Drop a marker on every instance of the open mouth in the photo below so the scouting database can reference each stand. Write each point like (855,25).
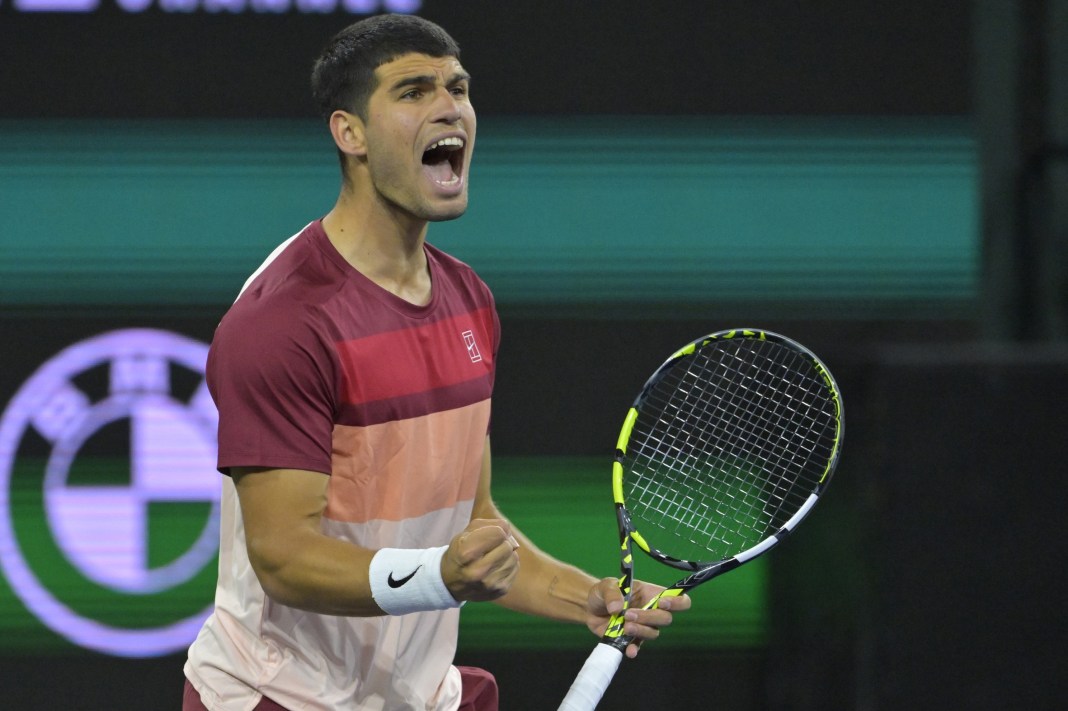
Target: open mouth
(444,160)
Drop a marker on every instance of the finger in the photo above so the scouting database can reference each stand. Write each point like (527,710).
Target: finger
(656,617)
(640,633)
(675,603)
(502,556)
(498,571)
(500,523)
(486,578)
(645,625)
(478,543)
(493,564)
(506,573)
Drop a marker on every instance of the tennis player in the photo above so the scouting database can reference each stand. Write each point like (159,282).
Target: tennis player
(353,378)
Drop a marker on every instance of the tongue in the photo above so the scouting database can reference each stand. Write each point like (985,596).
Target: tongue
(440,172)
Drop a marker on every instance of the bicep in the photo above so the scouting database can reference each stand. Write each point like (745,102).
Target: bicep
(279,507)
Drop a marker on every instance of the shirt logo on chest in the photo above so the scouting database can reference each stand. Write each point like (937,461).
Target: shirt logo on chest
(472,347)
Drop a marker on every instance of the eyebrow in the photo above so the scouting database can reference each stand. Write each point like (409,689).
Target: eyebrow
(424,79)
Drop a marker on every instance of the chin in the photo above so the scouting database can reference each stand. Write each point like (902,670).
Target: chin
(445,217)
(444,213)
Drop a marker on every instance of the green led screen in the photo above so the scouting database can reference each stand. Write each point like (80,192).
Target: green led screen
(563,504)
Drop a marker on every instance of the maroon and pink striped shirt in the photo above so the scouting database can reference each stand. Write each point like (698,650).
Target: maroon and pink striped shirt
(316,367)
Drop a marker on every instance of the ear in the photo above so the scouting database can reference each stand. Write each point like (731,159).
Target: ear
(349,134)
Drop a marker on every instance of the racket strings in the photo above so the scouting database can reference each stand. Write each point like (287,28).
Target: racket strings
(728,444)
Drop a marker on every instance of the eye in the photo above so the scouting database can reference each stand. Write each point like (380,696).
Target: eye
(459,90)
(411,94)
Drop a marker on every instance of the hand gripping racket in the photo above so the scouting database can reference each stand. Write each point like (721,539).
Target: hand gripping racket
(727,448)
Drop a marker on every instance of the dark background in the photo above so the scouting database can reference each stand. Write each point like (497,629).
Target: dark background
(527,57)
(930,577)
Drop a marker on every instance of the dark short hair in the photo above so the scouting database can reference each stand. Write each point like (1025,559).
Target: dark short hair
(344,74)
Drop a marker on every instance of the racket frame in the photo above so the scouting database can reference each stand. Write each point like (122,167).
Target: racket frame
(701,572)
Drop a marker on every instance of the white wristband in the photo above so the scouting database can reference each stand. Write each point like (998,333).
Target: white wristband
(407,580)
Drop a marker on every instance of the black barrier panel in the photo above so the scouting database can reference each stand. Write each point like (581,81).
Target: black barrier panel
(965,523)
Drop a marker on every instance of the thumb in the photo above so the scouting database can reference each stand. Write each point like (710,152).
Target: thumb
(610,596)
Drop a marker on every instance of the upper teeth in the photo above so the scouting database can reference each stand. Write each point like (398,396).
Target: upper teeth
(452,141)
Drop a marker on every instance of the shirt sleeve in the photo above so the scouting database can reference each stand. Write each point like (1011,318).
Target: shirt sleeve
(273,388)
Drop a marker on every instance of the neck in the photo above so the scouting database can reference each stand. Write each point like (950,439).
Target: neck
(387,249)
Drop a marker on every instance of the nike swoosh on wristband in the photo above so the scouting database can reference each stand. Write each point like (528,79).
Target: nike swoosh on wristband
(396,583)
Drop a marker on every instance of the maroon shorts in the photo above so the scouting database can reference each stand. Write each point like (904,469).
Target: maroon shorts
(479,690)
(479,694)
(191,701)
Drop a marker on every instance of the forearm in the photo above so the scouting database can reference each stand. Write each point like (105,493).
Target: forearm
(311,571)
(547,587)
(544,586)
(297,565)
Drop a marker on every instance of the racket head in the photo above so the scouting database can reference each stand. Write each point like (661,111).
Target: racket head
(727,448)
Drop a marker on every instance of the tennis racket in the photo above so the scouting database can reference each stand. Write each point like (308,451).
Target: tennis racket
(726,449)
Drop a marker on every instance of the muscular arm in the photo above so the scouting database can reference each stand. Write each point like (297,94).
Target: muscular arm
(299,566)
(296,564)
(550,588)
(545,586)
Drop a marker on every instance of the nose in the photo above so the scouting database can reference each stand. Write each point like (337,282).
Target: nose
(446,107)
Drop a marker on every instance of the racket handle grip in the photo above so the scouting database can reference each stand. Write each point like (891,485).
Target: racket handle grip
(592,680)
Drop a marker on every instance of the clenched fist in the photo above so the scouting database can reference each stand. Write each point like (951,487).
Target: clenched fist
(481,562)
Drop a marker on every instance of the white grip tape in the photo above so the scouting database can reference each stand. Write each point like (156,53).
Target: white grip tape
(592,680)
(405,580)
